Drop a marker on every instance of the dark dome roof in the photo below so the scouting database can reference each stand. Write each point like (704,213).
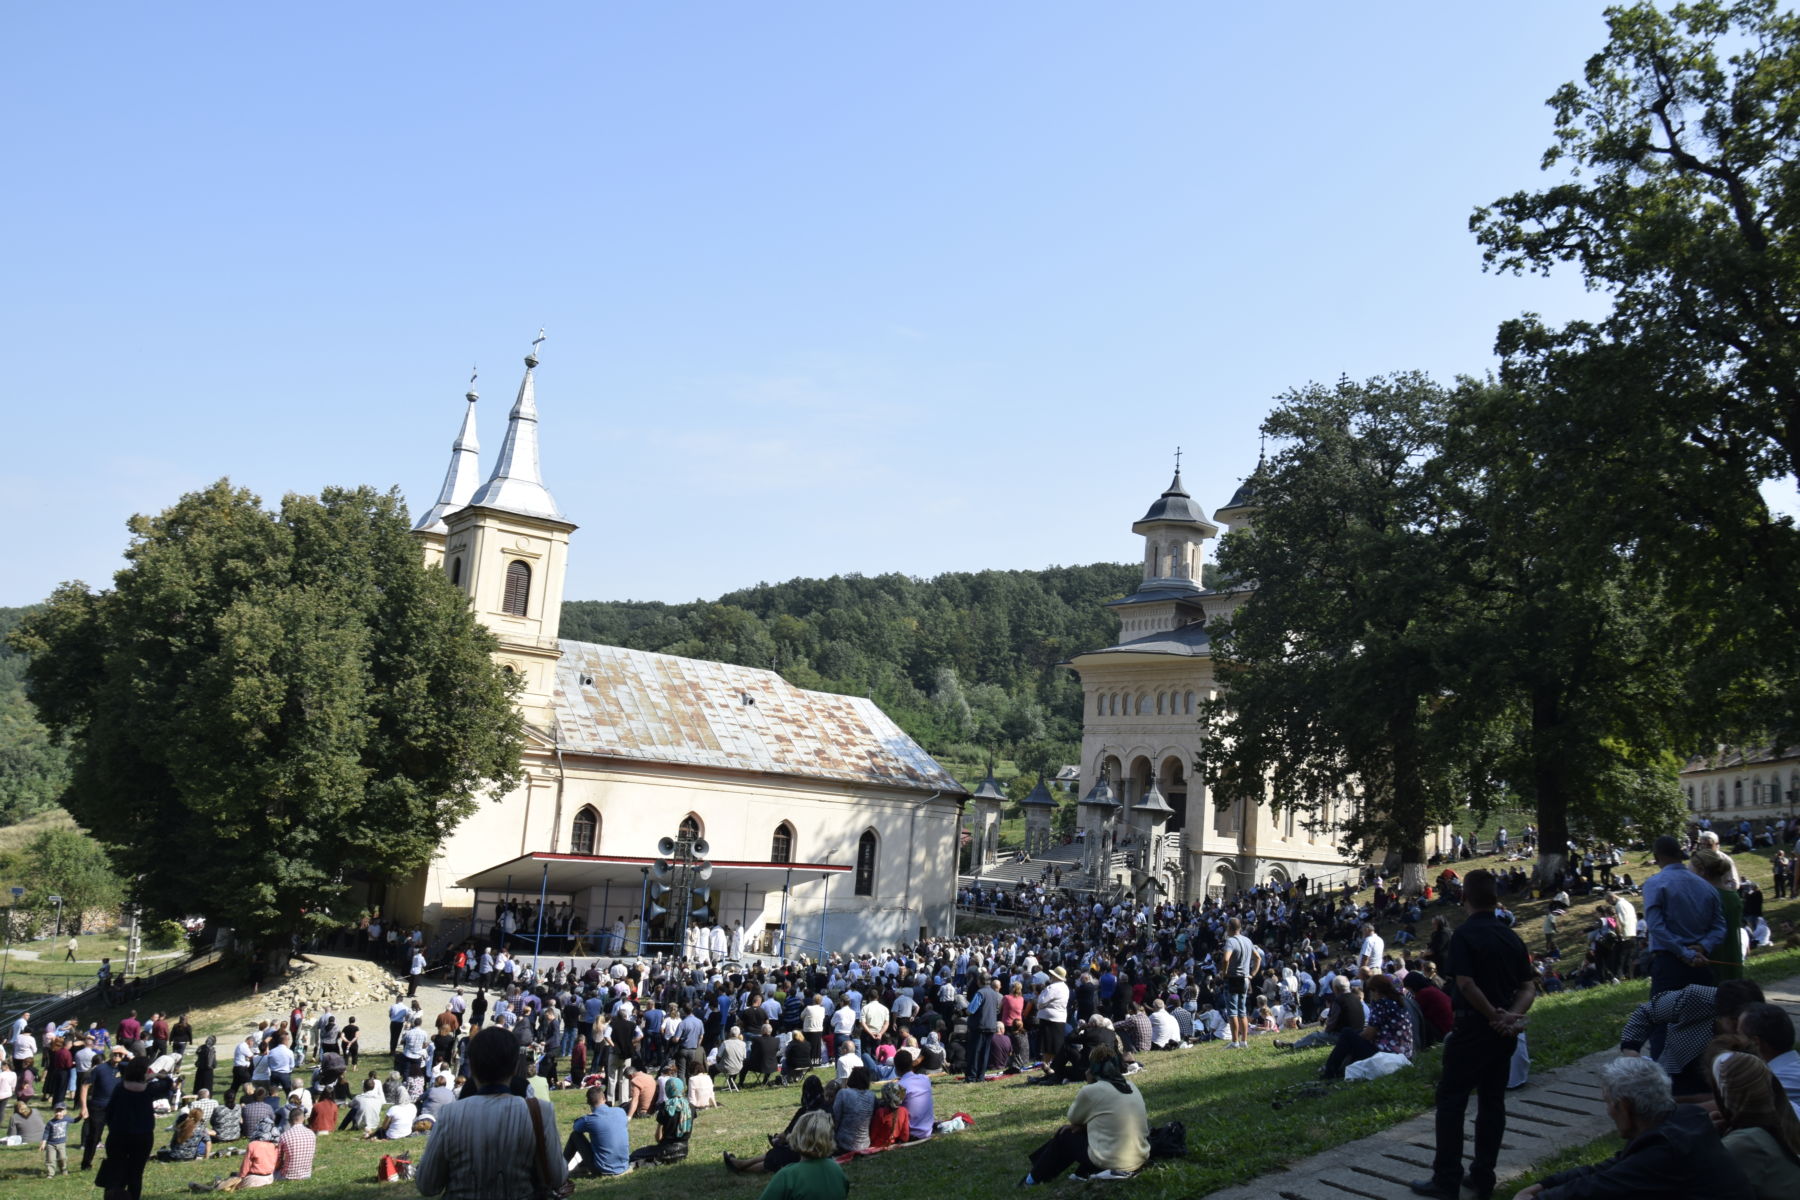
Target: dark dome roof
(1175,506)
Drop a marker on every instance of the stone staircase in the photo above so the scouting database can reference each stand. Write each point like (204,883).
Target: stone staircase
(1006,875)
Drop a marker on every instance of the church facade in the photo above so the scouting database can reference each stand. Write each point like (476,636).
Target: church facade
(1147,823)
(820,822)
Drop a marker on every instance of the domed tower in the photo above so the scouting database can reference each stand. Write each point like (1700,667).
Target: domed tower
(1175,532)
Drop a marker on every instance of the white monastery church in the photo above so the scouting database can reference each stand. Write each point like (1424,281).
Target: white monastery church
(1146,823)
(821,820)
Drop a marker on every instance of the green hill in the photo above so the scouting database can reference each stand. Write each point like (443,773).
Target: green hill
(32,771)
(965,662)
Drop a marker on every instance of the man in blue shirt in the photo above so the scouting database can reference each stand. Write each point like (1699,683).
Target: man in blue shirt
(602,1138)
(1685,921)
(689,1057)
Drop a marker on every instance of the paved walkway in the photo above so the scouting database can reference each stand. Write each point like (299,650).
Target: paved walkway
(1553,1112)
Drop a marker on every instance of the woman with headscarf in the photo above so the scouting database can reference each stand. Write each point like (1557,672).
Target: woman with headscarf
(889,1125)
(674,1124)
(1758,1125)
(1108,1132)
(206,1061)
(813,1099)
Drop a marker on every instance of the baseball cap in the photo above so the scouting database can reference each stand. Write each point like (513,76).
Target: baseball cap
(1668,847)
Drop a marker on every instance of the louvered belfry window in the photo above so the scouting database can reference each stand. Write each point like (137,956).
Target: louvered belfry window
(518,588)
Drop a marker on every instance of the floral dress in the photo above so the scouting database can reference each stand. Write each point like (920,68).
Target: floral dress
(1393,1028)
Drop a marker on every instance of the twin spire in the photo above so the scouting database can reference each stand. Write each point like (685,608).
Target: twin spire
(516,484)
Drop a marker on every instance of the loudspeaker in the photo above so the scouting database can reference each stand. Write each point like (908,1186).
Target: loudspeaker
(659,890)
(701,913)
(705,872)
(700,847)
(655,911)
(661,869)
(666,847)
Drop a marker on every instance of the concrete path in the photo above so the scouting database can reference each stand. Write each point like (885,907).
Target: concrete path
(1556,1110)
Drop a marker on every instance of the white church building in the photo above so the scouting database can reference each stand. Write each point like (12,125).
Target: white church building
(1147,823)
(822,821)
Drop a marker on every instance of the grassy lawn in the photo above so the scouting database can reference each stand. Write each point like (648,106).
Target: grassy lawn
(42,967)
(1240,1118)
(1225,1098)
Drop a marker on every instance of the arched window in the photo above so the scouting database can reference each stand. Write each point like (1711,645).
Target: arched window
(1737,793)
(781,847)
(585,834)
(1143,705)
(456,571)
(1187,704)
(1161,697)
(689,829)
(518,588)
(865,864)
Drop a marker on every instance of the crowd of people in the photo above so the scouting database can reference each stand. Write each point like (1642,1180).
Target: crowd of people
(1076,990)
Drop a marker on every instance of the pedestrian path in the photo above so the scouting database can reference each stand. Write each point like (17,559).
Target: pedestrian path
(1554,1111)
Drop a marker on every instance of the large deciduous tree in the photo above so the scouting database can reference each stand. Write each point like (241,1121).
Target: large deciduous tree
(1332,670)
(1682,146)
(266,706)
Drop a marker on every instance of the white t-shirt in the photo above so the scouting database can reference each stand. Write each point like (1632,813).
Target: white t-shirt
(400,1119)
(1628,918)
(1372,950)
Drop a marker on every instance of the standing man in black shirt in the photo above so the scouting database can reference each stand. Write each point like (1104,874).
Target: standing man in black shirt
(1494,986)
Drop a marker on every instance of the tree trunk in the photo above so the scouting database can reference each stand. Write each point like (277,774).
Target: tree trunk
(1551,788)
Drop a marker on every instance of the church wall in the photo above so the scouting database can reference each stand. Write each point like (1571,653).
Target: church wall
(637,806)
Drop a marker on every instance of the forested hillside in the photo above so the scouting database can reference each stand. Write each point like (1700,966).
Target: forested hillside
(965,662)
(32,771)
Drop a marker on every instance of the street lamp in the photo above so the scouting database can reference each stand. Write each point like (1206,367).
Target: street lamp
(57,900)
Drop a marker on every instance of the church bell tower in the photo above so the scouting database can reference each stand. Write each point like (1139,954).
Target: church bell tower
(508,547)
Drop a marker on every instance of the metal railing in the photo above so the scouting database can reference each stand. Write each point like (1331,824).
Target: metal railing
(70,1001)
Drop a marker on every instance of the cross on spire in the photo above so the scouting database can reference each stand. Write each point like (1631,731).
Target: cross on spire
(535,343)
(1178,460)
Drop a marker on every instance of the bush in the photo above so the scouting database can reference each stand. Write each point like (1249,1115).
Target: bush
(165,935)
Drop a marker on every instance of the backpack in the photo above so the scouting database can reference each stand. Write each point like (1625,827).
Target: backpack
(1169,1141)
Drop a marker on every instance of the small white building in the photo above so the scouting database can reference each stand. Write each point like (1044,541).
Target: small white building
(1736,783)
(820,817)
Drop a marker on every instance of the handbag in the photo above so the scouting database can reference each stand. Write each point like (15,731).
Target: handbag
(542,1165)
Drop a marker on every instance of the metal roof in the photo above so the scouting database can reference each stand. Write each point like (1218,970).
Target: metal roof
(460,479)
(1727,757)
(620,703)
(517,484)
(990,789)
(1040,797)
(1153,802)
(573,872)
(1187,641)
(1176,507)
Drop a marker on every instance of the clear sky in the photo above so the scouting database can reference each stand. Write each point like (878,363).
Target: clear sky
(828,287)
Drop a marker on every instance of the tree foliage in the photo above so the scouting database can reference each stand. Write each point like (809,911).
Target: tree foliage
(33,768)
(1682,146)
(67,863)
(1334,671)
(267,706)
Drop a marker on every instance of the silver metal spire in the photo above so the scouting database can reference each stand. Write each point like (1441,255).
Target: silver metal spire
(460,479)
(516,484)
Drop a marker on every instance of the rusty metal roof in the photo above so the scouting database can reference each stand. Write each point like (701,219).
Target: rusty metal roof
(621,703)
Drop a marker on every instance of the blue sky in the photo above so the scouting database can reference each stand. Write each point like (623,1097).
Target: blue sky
(828,288)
